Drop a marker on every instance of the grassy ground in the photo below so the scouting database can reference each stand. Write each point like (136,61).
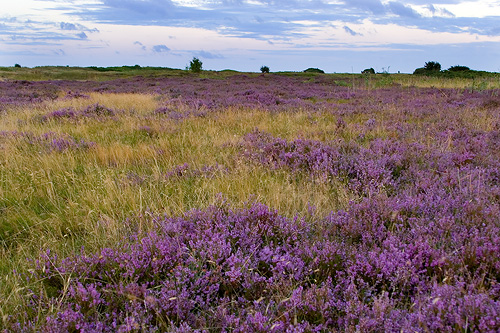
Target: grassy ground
(479,82)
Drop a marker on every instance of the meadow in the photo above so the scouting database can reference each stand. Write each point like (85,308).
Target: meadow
(236,202)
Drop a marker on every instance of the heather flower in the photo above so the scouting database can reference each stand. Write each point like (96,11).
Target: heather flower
(98,110)
(62,113)
(370,123)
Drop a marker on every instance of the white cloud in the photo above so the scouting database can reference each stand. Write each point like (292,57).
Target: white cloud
(160,48)
(478,9)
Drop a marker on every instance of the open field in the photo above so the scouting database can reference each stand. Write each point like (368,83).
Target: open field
(249,203)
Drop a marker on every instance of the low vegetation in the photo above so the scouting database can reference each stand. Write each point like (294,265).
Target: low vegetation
(226,201)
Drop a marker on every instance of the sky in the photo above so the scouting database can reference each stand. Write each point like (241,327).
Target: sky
(338,36)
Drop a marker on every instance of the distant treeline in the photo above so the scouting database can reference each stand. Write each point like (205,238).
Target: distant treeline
(433,68)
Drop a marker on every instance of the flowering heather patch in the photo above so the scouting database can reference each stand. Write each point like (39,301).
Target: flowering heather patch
(253,270)
(72,95)
(366,170)
(50,141)
(428,220)
(393,168)
(66,113)
(95,111)
(273,93)
(19,93)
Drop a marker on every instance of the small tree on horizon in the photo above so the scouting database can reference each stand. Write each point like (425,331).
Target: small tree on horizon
(264,69)
(195,65)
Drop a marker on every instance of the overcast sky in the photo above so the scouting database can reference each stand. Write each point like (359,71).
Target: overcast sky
(334,35)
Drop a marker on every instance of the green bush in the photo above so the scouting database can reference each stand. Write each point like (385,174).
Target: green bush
(264,69)
(368,71)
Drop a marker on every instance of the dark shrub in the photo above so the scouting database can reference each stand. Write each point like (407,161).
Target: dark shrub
(17,65)
(314,70)
(420,71)
(458,69)
(368,71)
(264,69)
(432,66)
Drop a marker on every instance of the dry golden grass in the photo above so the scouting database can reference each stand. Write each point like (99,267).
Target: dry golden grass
(139,104)
(64,196)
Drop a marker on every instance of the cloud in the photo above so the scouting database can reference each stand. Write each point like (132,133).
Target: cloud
(134,10)
(22,32)
(434,2)
(235,18)
(374,6)
(82,35)
(494,31)
(209,55)
(402,10)
(59,52)
(350,31)
(265,20)
(445,12)
(143,47)
(160,48)
(457,25)
(68,26)
(232,2)
(439,11)
(259,19)
(73,26)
